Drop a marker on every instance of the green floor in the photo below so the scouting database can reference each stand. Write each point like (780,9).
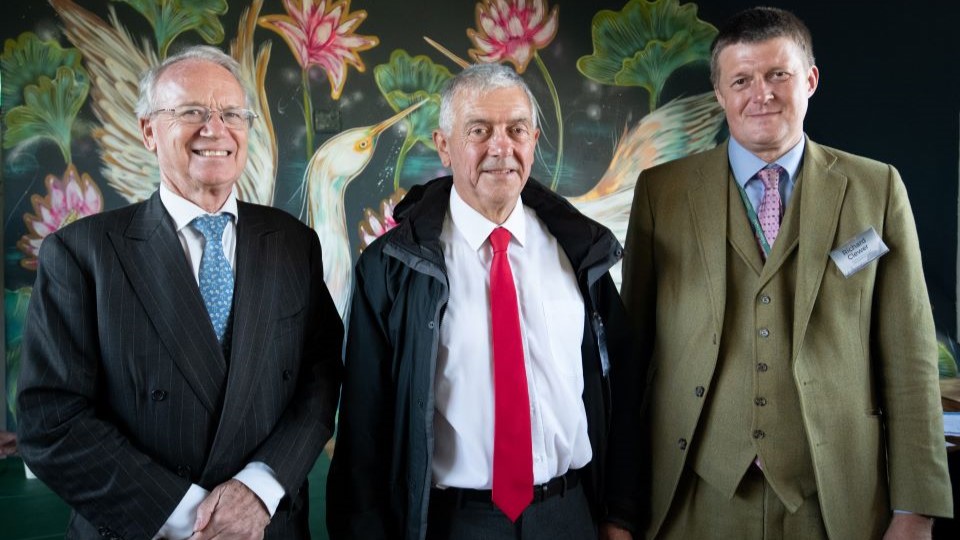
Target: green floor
(30,511)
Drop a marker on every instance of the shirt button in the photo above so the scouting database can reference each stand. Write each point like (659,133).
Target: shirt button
(682,444)
(764,299)
(158,395)
(764,332)
(761,367)
(699,391)
(759,434)
(760,401)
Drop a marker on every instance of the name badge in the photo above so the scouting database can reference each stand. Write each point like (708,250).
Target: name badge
(858,252)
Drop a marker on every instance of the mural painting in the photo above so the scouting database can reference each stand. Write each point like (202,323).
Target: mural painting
(70,86)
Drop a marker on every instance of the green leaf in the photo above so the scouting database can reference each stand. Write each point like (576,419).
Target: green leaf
(170,18)
(643,44)
(49,109)
(15,308)
(405,81)
(26,59)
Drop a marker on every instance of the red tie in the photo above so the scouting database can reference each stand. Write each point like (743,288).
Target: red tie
(512,447)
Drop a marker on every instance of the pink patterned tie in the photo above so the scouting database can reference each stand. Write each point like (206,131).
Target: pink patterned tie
(769,214)
(512,440)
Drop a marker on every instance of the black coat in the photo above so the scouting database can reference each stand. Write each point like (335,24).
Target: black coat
(125,397)
(380,479)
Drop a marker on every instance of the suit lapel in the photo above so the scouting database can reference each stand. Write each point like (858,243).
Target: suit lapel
(153,260)
(821,201)
(254,294)
(708,206)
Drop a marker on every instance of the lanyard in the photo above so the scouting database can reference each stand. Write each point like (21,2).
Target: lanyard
(754,221)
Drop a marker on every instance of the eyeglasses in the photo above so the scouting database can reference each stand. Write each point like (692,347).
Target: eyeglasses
(196,115)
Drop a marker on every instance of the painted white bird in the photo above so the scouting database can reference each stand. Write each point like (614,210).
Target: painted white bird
(333,166)
(115,64)
(680,128)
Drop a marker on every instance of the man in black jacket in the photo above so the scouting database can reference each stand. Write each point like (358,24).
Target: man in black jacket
(488,389)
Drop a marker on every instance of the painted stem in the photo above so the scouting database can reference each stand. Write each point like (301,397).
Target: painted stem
(407,145)
(307,111)
(556,107)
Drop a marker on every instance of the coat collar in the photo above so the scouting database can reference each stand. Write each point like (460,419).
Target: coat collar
(591,247)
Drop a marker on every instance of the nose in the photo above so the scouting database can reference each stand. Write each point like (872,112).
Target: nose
(214,125)
(762,91)
(500,144)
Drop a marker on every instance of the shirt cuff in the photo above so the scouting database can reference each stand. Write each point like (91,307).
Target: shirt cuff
(180,523)
(260,478)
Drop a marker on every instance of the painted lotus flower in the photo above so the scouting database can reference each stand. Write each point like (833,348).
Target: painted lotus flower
(67,200)
(374,224)
(321,33)
(512,30)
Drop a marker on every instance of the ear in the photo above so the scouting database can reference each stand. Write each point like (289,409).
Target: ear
(813,80)
(440,141)
(536,135)
(148,135)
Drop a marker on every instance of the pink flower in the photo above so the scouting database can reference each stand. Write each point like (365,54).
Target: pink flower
(374,225)
(67,200)
(512,30)
(323,37)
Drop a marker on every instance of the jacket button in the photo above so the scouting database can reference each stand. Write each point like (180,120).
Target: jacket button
(699,391)
(760,401)
(764,299)
(431,325)
(183,471)
(287,374)
(759,434)
(682,443)
(158,395)
(764,332)
(761,367)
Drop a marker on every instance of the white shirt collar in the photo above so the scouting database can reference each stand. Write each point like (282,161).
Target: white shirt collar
(475,227)
(183,211)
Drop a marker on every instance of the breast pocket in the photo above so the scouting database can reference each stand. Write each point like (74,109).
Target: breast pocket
(564,322)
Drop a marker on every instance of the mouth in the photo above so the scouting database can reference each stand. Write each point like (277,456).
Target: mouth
(212,153)
(500,172)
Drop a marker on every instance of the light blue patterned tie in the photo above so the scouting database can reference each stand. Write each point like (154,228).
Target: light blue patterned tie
(216,276)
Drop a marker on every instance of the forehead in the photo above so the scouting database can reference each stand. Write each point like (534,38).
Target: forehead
(200,81)
(774,52)
(499,104)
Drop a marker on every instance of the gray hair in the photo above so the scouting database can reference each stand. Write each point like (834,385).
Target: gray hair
(481,78)
(206,53)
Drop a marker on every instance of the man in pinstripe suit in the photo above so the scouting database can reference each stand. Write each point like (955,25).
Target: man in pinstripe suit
(149,420)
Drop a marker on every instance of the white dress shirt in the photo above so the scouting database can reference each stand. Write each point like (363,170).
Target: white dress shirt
(551,322)
(257,476)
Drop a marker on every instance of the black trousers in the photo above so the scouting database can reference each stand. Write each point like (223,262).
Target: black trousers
(563,516)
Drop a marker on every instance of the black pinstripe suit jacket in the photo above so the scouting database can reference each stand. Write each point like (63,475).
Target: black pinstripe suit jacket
(125,397)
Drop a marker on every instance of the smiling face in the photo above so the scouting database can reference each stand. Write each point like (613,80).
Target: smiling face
(764,88)
(201,163)
(489,148)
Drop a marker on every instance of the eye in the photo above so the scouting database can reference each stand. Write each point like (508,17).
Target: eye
(780,75)
(739,82)
(192,114)
(477,133)
(363,144)
(520,132)
(231,115)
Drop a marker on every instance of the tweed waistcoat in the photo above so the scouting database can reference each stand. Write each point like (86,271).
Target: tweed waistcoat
(753,408)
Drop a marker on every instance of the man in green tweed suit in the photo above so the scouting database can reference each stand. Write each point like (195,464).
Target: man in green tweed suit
(777,285)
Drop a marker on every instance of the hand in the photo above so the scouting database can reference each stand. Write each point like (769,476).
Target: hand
(609,531)
(909,527)
(231,511)
(8,444)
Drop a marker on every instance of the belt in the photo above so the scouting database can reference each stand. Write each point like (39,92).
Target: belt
(556,486)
